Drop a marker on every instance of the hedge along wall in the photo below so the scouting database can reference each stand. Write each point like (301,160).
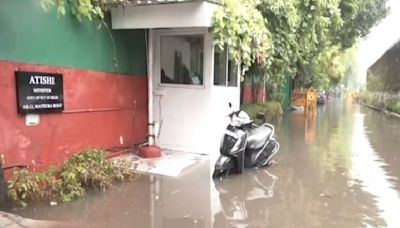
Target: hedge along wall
(102,104)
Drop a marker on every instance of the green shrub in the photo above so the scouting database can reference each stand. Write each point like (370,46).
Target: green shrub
(390,103)
(396,108)
(272,110)
(87,169)
(33,186)
(365,97)
(376,101)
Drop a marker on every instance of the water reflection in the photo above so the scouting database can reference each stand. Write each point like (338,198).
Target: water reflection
(148,202)
(243,199)
(383,133)
(314,175)
(368,167)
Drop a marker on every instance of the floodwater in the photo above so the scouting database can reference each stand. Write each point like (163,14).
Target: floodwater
(339,169)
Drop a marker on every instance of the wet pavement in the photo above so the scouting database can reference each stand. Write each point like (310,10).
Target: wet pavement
(340,169)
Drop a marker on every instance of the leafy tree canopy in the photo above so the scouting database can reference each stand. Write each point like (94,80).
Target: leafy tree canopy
(308,37)
(82,9)
(243,29)
(302,38)
(359,16)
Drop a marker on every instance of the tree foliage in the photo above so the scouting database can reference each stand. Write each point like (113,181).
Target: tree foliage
(309,37)
(82,9)
(301,38)
(359,16)
(243,29)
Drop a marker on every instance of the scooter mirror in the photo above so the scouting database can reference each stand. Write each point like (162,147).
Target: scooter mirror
(230,105)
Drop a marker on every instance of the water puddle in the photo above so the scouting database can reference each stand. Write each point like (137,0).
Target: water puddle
(340,169)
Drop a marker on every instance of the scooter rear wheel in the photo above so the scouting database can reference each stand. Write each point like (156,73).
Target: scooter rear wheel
(269,160)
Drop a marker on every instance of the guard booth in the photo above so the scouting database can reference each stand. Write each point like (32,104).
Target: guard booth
(311,102)
(190,81)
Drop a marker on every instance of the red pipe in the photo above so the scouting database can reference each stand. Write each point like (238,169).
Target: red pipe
(96,110)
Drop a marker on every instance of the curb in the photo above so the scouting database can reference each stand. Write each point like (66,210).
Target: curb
(10,220)
(388,113)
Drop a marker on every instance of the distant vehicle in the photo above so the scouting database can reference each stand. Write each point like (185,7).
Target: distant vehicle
(321,98)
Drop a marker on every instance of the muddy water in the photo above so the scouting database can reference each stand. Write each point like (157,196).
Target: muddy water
(340,169)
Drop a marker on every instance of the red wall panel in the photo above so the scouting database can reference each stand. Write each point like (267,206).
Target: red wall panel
(252,94)
(99,108)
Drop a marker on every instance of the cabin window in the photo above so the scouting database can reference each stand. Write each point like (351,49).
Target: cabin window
(182,59)
(224,69)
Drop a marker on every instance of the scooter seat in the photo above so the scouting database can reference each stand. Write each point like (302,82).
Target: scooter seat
(257,137)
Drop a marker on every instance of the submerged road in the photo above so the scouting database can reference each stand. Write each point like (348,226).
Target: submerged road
(339,169)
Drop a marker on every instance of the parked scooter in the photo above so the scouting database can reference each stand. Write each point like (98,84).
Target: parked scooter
(245,145)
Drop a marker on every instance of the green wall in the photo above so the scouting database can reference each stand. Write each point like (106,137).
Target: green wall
(29,34)
(286,93)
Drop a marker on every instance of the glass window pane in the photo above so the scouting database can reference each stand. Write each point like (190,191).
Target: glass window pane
(220,67)
(232,74)
(182,59)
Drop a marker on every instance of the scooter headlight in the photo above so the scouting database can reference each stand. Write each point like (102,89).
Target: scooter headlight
(232,142)
(228,143)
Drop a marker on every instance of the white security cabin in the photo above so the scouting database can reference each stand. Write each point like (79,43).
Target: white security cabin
(190,81)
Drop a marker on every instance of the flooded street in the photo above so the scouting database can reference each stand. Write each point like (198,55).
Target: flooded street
(340,169)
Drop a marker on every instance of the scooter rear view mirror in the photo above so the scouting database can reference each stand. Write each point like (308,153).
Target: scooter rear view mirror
(230,105)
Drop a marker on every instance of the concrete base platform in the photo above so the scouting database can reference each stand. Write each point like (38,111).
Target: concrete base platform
(171,163)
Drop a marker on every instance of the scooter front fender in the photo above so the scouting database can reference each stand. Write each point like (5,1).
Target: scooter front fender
(223,166)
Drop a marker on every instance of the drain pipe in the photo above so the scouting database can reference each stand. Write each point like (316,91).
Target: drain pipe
(151,150)
(150,58)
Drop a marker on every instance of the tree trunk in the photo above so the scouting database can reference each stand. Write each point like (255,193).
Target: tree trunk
(239,76)
(264,89)
(253,90)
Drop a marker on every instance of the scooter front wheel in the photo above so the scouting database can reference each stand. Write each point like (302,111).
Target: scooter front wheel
(223,166)
(220,173)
